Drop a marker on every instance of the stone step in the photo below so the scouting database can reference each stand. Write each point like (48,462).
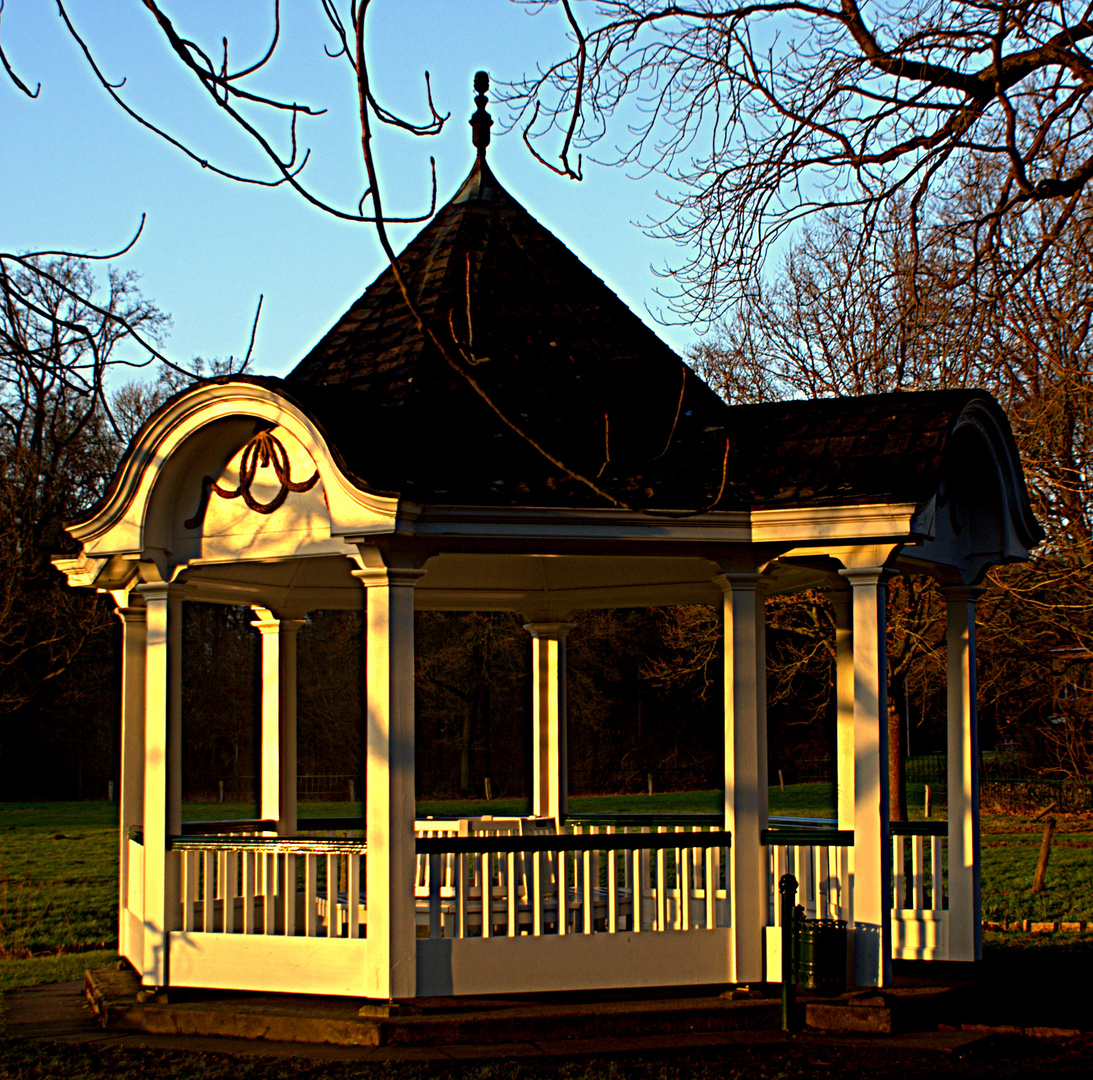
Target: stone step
(890,1011)
(114,994)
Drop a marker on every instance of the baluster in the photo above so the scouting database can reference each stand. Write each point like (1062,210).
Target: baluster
(208,921)
(662,889)
(485,875)
(898,899)
(561,879)
(613,888)
(353,893)
(289,895)
(333,916)
(435,880)
(248,892)
(844,881)
(269,899)
(918,879)
(711,887)
(936,903)
(683,874)
(512,891)
(640,861)
(461,872)
(189,887)
(537,893)
(779,854)
(229,877)
(586,897)
(311,895)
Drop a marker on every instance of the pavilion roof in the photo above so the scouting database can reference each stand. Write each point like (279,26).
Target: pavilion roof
(557,355)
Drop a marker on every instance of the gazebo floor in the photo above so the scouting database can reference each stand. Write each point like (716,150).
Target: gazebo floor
(538,1023)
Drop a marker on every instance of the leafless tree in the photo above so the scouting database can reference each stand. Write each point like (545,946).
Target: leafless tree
(273,126)
(765,114)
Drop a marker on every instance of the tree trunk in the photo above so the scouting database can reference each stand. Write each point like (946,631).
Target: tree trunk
(897,756)
(466,747)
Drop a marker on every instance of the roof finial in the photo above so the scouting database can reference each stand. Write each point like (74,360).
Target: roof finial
(481,122)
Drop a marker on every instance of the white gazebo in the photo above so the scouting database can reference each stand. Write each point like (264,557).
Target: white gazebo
(381,477)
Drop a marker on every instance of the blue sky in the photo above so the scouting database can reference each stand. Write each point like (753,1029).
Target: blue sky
(78,173)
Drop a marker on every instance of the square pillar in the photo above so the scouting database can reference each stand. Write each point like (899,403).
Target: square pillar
(162,810)
(550,776)
(131,793)
(746,796)
(389,773)
(965,926)
(277,798)
(871,882)
(844,707)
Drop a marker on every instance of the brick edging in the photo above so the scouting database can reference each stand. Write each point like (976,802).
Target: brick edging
(1030,926)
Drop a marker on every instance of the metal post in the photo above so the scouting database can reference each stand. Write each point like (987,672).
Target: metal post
(787,887)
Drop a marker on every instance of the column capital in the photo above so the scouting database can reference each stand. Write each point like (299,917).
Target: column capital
(734,582)
(549,629)
(962,594)
(377,577)
(269,623)
(864,576)
(161,590)
(129,614)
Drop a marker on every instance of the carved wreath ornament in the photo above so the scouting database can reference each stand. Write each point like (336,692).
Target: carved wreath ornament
(262,451)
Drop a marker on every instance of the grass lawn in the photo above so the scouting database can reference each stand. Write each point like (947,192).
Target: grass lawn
(58,893)
(58,866)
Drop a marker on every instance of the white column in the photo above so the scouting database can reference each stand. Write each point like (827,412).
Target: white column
(277,798)
(131,793)
(871,885)
(550,775)
(389,807)
(162,810)
(745,770)
(965,926)
(844,707)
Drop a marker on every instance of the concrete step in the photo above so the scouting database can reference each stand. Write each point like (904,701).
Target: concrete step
(114,994)
(883,1012)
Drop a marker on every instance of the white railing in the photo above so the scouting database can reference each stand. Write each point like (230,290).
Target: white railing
(259,885)
(531,880)
(918,866)
(600,880)
(819,859)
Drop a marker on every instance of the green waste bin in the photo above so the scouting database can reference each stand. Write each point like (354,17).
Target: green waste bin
(819,961)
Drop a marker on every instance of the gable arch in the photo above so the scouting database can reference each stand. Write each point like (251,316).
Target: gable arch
(980,514)
(163,503)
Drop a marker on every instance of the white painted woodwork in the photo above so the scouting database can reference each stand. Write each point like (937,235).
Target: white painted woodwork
(299,965)
(157,701)
(159,482)
(131,793)
(299,527)
(745,771)
(920,935)
(391,966)
(500,965)
(844,707)
(231,917)
(549,796)
(277,793)
(871,888)
(965,935)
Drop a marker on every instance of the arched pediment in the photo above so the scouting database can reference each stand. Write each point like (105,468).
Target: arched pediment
(229,471)
(979,515)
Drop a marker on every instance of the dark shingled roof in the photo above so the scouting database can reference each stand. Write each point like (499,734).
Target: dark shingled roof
(552,347)
(563,358)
